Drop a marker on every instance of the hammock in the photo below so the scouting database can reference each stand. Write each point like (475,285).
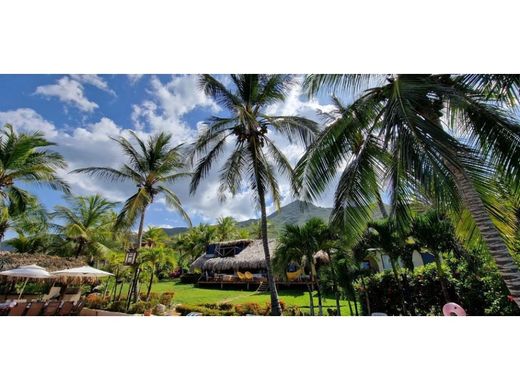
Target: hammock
(294,275)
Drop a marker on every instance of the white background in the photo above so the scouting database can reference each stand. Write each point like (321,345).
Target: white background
(270,36)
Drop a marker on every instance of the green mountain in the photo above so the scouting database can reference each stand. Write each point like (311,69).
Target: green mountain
(297,212)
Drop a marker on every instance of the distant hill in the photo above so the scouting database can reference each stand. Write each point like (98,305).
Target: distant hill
(296,213)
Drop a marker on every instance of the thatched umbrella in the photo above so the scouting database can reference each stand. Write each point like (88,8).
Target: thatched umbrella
(321,257)
(80,274)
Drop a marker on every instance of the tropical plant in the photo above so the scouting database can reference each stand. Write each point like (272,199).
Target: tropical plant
(226,229)
(86,223)
(193,242)
(441,138)
(434,231)
(155,237)
(383,237)
(155,257)
(151,165)
(25,158)
(255,153)
(299,244)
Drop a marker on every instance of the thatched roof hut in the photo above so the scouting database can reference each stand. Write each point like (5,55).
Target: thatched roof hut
(251,257)
(10,260)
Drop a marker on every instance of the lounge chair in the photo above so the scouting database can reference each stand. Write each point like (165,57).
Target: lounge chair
(249,276)
(66,308)
(241,276)
(35,309)
(51,308)
(18,309)
(76,310)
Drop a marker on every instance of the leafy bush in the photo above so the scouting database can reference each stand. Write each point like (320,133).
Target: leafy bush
(185,309)
(473,282)
(96,301)
(166,299)
(140,307)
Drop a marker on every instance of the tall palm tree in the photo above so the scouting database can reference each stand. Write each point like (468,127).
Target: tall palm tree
(25,158)
(151,165)
(86,223)
(439,138)
(255,153)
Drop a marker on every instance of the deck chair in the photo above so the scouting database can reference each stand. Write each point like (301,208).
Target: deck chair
(249,276)
(18,309)
(35,309)
(51,308)
(76,310)
(241,276)
(66,308)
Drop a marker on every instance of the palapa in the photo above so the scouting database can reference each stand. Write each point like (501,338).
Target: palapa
(250,258)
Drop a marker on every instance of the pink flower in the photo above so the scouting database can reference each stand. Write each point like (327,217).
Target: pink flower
(510,298)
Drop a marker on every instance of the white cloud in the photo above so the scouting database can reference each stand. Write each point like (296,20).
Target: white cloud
(94,80)
(68,91)
(27,120)
(168,104)
(134,78)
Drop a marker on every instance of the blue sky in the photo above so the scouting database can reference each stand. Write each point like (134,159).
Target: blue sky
(80,112)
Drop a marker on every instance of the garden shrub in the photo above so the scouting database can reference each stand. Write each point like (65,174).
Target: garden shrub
(166,299)
(205,311)
(473,283)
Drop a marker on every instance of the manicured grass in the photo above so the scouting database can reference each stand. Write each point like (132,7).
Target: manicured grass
(189,294)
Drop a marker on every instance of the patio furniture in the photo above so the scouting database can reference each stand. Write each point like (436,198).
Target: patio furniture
(54,292)
(18,309)
(241,276)
(51,308)
(76,309)
(249,276)
(35,308)
(66,308)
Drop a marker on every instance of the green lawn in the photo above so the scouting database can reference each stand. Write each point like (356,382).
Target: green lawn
(189,294)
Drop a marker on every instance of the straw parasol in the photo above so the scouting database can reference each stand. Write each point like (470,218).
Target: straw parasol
(321,257)
(252,258)
(25,273)
(10,260)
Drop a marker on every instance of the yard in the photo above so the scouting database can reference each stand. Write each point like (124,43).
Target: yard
(191,295)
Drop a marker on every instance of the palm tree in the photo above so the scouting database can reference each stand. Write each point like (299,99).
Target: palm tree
(384,237)
(155,257)
(299,244)
(439,138)
(226,229)
(194,242)
(25,158)
(86,223)
(151,165)
(254,154)
(435,231)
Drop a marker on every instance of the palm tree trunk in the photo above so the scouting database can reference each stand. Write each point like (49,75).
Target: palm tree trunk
(490,235)
(335,288)
(150,285)
(318,289)
(134,293)
(311,300)
(366,296)
(276,309)
(79,249)
(399,285)
(442,277)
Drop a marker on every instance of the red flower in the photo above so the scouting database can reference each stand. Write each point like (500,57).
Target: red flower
(510,298)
